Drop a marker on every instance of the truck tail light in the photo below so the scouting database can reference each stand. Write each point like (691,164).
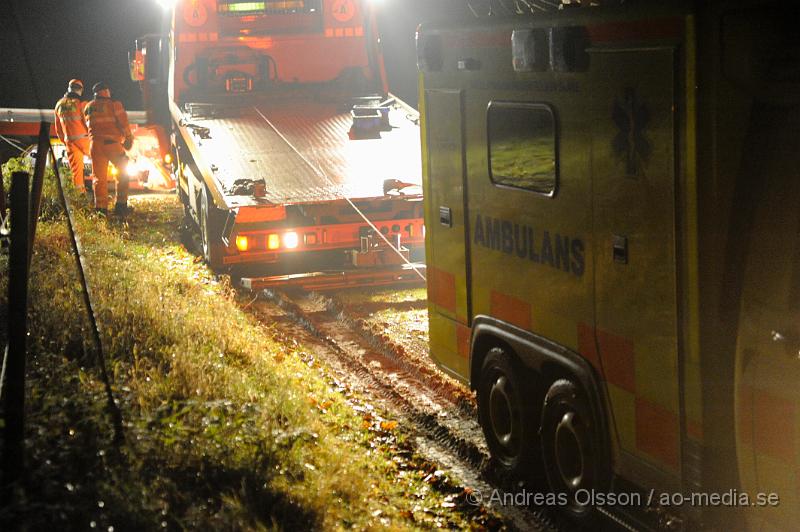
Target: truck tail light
(273,241)
(242,243)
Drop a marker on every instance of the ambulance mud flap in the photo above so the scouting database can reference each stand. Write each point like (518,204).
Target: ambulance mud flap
(227,229)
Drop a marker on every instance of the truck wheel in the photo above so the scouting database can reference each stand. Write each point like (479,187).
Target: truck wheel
(211,220)
(507,415)
(571,460)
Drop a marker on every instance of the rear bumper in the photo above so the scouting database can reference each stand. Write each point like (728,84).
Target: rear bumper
(260,264)
(323,247)
(407,274)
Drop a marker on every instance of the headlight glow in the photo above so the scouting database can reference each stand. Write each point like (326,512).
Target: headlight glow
(290,240)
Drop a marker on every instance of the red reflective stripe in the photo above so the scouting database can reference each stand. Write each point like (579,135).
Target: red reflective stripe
(511,309)
(657,432)
(463,336)
(587,346)
(774,420)
(442,288)
(619,362)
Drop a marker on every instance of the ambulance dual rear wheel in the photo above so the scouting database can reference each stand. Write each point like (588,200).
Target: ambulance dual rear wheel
(508,414)
(569,448)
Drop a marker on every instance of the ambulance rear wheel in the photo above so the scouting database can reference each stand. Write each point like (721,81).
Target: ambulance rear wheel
(569,449)
(507,414)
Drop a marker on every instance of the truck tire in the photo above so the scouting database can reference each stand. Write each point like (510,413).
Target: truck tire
(210,224)
(508,415)
(569,448)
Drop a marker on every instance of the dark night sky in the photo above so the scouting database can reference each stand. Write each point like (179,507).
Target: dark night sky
(89,39)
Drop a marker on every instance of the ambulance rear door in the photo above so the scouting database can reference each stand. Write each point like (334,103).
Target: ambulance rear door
(446,230)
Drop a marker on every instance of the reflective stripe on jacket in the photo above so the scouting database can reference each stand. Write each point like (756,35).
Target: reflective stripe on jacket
(107,119)
(69,121)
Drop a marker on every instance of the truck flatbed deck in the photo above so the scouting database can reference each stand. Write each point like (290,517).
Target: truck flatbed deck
(304,153)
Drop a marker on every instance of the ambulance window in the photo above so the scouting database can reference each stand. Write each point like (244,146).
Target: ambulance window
(522,146)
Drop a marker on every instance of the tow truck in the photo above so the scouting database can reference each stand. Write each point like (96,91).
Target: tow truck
(293,160)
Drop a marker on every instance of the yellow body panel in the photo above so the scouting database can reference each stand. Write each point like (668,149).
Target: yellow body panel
(675,148)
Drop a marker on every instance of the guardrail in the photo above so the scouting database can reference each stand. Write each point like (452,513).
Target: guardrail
(25,122)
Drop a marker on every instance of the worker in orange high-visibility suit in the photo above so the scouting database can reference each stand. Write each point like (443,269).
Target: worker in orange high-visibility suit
(111,136)
(71,130)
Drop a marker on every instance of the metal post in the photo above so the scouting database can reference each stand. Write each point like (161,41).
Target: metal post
(42,151)
(2,199)
(14,389)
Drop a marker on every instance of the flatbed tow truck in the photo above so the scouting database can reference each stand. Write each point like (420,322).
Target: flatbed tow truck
(293,160)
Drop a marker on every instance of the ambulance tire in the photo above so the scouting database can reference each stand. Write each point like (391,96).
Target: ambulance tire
(508,415)
(210,223)
(569,454)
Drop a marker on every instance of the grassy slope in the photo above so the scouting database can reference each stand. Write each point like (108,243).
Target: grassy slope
(227,425)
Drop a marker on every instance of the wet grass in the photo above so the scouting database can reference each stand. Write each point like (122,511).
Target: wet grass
(227,425)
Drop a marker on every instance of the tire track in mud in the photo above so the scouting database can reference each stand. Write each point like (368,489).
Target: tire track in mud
(427,375)
(440,417)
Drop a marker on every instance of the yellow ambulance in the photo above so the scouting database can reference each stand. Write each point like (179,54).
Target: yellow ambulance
(613,242)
